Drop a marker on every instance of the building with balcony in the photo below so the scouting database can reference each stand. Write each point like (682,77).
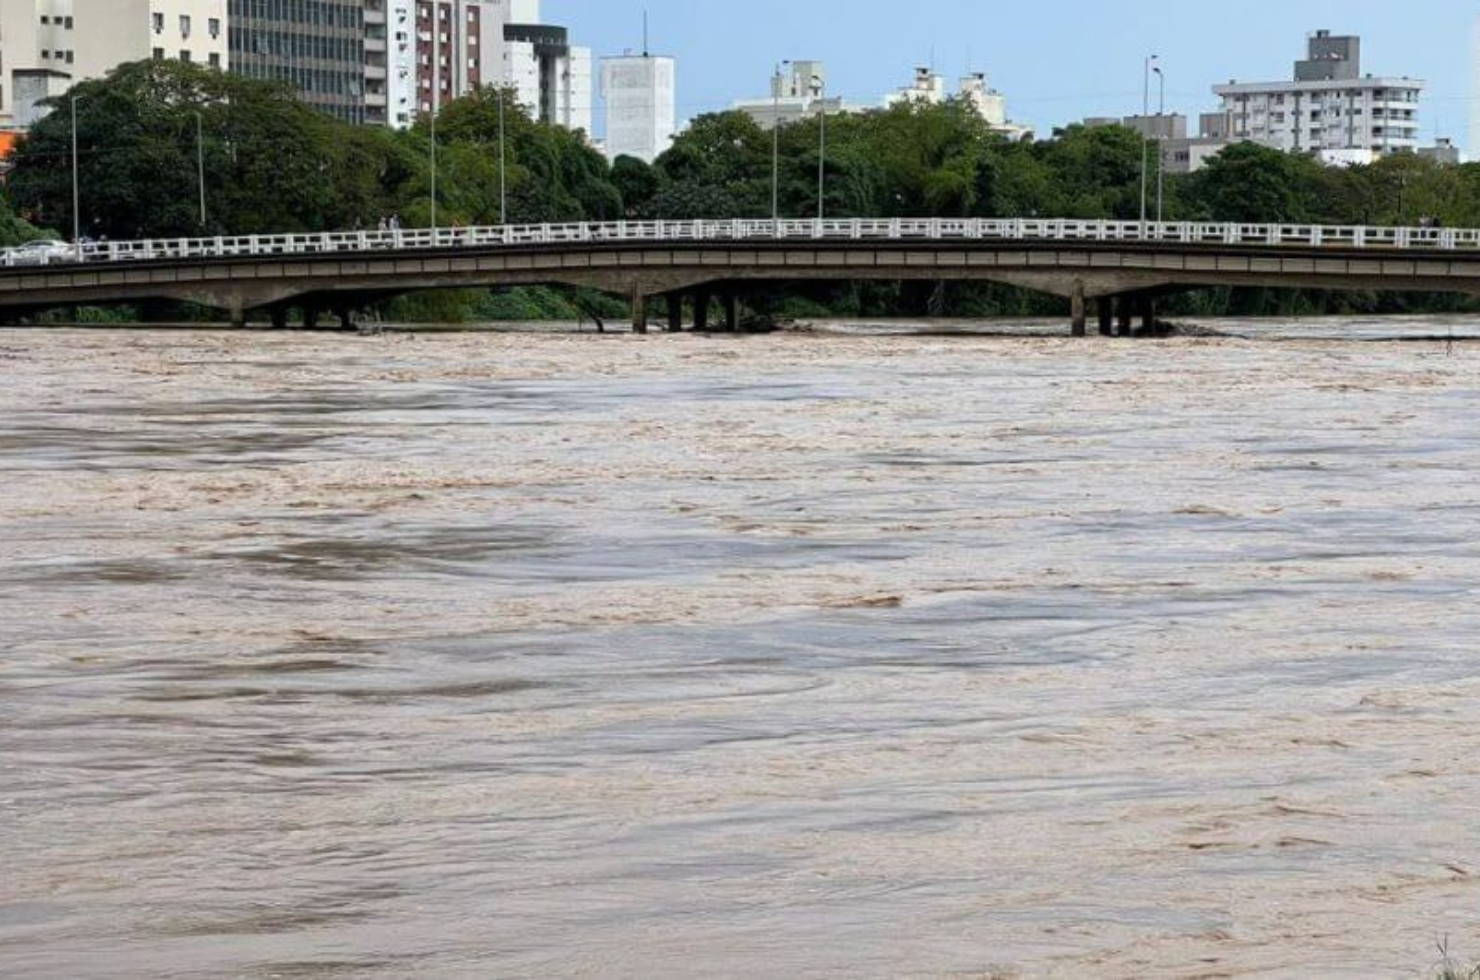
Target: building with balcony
(1330,109)
(390,63)
(46,46)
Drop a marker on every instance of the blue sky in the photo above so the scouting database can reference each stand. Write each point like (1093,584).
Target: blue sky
(1056,60)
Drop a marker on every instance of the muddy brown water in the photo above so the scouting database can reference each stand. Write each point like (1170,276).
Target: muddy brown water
(854,655)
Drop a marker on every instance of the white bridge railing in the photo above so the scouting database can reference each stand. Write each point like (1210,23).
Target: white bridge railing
(659,232)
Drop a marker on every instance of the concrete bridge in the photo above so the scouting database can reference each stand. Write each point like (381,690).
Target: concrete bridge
(1120,267)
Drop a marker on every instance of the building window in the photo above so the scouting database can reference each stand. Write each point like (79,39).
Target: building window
(215,60)
(184,26)
(159,23)
(184,56)
(159,54)
(215,27)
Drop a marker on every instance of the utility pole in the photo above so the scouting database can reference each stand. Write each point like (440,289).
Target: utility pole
(200,167)
(76,185)
(1145,143)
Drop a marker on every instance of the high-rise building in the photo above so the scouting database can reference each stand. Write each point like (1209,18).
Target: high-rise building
(1330,109)
(317,48)
(390,63)
(641,105)
(48,45)
(481,43)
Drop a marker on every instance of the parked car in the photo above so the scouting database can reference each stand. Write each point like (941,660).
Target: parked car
(45,251)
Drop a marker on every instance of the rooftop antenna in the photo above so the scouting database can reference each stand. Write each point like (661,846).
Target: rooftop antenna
(645,33)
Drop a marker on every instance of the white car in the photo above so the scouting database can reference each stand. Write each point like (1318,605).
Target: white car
(43,251)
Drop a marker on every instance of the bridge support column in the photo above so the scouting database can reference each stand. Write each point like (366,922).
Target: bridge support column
(732,312)
(701,310)
(675,312)
(238,314)
(1148,316)
(1123,314)
(639,310)
(1077,307)
(1105,306)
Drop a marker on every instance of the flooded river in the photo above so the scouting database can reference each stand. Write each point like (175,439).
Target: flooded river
(510,655)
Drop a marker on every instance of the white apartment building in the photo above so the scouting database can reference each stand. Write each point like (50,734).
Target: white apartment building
(390,63)
(929,88)
(1330,109)
(641,105)
(50,44)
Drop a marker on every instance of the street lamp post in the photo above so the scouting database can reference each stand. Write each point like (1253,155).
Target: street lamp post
(76,184)
(820,87)
(200,166)
(1161,148)
(776,81)
(1145,143)
(503,166)
(436,102)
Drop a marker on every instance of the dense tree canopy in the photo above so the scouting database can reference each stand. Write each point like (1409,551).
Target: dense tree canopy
(272,164)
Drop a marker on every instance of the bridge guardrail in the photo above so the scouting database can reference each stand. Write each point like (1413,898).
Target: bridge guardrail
(850,229)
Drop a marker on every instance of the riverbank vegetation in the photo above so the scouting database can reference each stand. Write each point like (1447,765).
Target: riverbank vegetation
(271,164)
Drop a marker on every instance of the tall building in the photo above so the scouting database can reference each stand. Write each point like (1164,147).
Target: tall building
(929,88)
(317,48)
(390,63)
(48,45)
(1330,109)
(481,43)
(641,105)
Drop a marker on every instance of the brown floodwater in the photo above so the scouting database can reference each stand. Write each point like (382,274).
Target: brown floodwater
(860,655)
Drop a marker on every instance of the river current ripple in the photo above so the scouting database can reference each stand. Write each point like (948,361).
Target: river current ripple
(814,655)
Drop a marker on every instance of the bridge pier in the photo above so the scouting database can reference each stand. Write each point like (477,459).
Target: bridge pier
(701,310)
(675,312)
(1106,308)
(1077,311)
(1148,316)
(237,313)
(732,312)
(1123,314)
(639,310)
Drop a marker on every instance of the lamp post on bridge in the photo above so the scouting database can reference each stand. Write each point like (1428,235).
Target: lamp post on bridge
(1161,149)
(776,82)
(1145,143)
(76,183)
(503,166)
(819,86)
(200,167)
